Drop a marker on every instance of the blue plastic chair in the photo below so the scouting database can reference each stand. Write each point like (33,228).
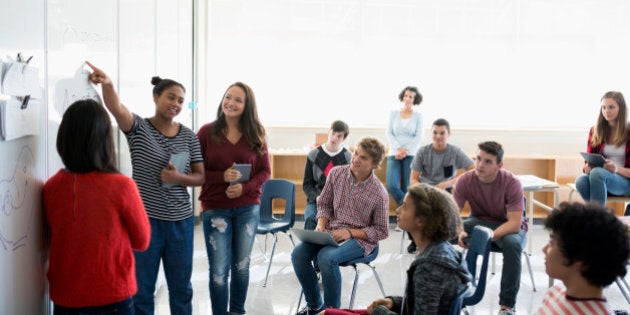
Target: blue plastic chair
(456,305)
(480,243)
(367,260)
(276,188)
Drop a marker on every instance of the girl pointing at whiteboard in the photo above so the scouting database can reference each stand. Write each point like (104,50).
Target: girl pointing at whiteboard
(154,143)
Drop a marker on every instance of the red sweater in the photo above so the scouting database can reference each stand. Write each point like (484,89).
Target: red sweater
(95,219)
(219,157)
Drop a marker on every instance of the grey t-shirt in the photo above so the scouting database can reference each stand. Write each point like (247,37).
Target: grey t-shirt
(436,167)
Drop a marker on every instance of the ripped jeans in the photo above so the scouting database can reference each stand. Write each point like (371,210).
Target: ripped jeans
(229,236)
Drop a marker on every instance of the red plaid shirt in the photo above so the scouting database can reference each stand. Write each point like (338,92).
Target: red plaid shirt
(350,205)
(590,148)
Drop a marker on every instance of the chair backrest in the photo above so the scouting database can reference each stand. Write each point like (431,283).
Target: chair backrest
(456,305)
(480,242)
(278,188)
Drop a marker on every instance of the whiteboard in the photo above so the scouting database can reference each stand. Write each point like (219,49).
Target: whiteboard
(22,174)
(61,35)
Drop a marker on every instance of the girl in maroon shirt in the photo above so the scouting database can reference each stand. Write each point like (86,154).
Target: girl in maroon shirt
(230,202)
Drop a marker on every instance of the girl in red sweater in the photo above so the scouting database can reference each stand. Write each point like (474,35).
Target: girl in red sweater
(95,216)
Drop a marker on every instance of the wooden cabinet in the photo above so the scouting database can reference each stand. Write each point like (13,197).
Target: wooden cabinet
(290,166)
(559,169)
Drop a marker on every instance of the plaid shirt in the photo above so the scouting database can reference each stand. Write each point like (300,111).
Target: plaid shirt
(350,205)
(590,148)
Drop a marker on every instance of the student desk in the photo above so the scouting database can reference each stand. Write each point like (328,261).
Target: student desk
(532,184)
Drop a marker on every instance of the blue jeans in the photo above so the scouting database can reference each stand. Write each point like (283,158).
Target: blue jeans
(124,307)
(398,173)
(328,259)
(599,183)
(172,243)
(511,246)
(229,235)
(310,213)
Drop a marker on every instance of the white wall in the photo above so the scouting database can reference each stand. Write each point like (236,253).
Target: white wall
(507,65)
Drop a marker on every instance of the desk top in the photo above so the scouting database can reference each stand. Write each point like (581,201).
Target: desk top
(533,182)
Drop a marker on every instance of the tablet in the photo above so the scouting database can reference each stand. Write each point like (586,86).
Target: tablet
(594,159)
(245,170)
(179,160)
(315,237)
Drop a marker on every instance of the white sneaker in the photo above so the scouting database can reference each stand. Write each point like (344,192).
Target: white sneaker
(506,312)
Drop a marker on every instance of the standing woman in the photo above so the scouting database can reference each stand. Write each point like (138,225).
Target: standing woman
(95,217)
(609,137)
(231,211)
(404,133)
(153,142)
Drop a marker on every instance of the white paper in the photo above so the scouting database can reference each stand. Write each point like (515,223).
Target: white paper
(17,122)
(21,79)
(68,91)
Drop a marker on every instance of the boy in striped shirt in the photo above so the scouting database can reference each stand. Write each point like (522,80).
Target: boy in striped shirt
(588,249)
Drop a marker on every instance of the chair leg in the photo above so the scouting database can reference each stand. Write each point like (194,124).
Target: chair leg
(529,267)
(622,289)
(262,252)
(354,286)
(291,238)
(300,300)
(493,263)
(273,250)
(378,279)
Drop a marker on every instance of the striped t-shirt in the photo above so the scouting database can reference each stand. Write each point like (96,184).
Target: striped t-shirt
(556,302)
(150,153)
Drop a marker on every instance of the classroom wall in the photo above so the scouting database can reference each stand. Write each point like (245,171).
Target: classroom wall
(505,65)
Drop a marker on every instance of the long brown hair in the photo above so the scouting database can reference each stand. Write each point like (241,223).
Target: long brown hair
(602,130)
(249,124)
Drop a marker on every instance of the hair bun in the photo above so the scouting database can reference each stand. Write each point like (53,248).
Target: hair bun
(155,80)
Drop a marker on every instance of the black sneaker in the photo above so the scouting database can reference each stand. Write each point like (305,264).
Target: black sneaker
(307,311)
(411,248)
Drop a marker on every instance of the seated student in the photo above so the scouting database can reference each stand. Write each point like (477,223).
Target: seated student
(319,162)
(437,163)
(438,273)
(610,136)
(353,206)
(495,197)
(588,248)
(96,218)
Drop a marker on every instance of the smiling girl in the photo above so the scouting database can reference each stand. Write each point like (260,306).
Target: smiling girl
(230,204)
(152,142)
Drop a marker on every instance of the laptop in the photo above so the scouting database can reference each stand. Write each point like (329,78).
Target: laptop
(315,237)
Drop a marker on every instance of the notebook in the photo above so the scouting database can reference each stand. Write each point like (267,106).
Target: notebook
(315,237)
(597,160)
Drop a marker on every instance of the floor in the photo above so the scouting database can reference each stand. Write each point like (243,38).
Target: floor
(283,290)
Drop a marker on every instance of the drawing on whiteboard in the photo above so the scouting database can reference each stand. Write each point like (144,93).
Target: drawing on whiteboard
(68,91)
(14,190)
(72,34)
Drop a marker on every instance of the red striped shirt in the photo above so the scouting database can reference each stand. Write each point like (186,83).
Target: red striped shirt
(556,302)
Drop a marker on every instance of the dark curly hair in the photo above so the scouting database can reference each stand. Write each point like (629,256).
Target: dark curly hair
(438,211)
(589,233)
(416,100)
